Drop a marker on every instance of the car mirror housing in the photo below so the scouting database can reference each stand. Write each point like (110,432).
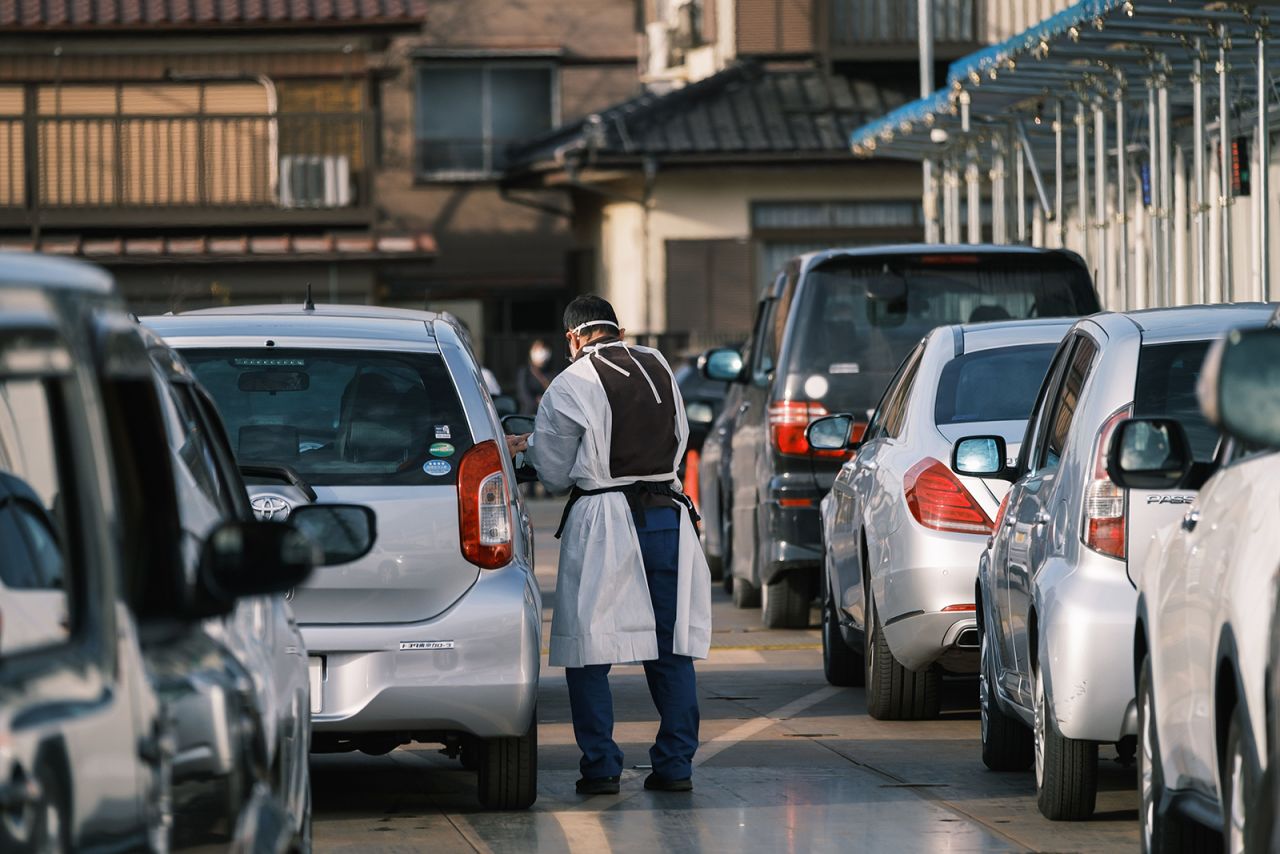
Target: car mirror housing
(830,433)
(981,456)
(255,558)
(343,532)
(1240,386)
(518,425)
(1149,453)
(723,364)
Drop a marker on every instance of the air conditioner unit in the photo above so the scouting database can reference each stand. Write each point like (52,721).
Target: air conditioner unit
(315,181)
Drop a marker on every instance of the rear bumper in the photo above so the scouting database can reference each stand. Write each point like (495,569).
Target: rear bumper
(485,685)
(792,534)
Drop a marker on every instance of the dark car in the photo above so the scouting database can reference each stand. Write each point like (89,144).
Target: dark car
(830,332)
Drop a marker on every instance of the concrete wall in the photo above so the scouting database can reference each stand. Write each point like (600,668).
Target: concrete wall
(714,204)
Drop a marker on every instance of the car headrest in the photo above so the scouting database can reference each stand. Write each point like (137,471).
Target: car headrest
(268,443)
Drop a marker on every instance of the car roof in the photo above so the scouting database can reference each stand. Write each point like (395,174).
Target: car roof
(973,337)
(914,249)
(25,269)
(296,321)
(1185,323)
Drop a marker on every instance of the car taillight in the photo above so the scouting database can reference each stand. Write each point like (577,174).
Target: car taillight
(484,507)
(938,500)
(788,420)
(1004,508)
(1104,528)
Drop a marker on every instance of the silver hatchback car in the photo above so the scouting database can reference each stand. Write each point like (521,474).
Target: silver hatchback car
(435,636)
(1056,598)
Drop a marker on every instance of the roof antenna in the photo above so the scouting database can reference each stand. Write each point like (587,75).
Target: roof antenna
(308,305)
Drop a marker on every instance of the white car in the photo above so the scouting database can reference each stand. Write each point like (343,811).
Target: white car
(1205,602)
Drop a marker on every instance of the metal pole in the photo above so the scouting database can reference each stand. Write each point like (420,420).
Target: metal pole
(1033,167)
(924,14)
(1122,204)
(1224,144)
(1201,185)
(1100,197)
(973,199)
(999,203)
(951,199)
(1020,188)
(1058,164)
(1166,196)
(1082,183)
(1264,167)
(1153,182)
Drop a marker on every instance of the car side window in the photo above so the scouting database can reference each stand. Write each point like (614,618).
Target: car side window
(1058,424)
(875,427)
(191,444)
(895,414)
(35,483)
(765,356)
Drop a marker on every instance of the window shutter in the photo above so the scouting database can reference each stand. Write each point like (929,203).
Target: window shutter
(709,287)
(775,26)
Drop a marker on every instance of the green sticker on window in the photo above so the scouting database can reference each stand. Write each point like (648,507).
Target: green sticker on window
(441,449)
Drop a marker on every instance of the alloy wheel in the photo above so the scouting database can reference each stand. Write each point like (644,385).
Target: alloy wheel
(984,688)
(1236,815)
(1146,774)
(1040,728)
(51,843)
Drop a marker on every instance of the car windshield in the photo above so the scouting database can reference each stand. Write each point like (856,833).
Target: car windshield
(854,344)
(339,417)
(1166,388)
(992,385)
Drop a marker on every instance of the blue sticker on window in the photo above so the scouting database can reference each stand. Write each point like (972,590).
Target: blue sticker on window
(437,468)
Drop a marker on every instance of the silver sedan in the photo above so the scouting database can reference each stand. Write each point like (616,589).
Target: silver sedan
(903,531)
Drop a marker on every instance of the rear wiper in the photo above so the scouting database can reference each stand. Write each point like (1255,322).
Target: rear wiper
(285,473)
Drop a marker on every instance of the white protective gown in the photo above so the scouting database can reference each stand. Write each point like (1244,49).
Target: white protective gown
(602,610)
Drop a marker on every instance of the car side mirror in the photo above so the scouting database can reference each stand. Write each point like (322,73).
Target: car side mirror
(255,558)
(342,532)
(518,425)
(982,456)
(831,433)
(723,364)
(505,404)
(1240,386)
(1149,453)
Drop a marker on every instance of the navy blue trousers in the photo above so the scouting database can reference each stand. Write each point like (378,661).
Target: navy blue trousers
(671,679)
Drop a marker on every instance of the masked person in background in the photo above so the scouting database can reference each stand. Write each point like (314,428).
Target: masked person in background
(633,583)
(534,378)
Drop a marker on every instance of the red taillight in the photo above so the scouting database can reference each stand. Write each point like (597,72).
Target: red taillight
(1104,528)
(965,607)
(1004,507)
(938,500)
(484,507)
(788,419)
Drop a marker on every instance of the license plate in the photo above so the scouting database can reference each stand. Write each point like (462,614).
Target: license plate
(315,668)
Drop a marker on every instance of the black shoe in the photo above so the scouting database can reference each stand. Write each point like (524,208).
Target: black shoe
(597,786)
(662,784)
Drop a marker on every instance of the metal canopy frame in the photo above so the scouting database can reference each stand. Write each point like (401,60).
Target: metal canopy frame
(1133,74)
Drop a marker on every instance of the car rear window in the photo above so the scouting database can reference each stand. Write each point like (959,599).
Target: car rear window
(1166,388)
(339,417)
(991,385)
(855,344)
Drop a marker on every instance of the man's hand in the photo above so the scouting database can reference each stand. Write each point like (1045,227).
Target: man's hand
(517,444)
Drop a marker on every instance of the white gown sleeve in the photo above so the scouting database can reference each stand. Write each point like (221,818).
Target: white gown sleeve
(557,436)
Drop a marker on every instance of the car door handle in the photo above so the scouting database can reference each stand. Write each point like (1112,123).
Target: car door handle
(1190,521)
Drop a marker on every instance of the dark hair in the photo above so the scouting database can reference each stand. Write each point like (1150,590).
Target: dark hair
(587,308)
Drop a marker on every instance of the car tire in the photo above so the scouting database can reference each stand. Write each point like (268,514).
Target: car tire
(1166,832)
(715,564)
(1066,768)
(507,778)
(785,601)
(302,844)
(1007,744)
(895,693)
(1240,781)
(841,664)
(745,594)
(53,816)
(727,583)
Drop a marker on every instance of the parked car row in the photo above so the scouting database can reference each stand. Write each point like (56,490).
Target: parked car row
(158,689)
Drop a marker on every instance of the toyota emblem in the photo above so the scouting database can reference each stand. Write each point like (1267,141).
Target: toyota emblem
(270,508)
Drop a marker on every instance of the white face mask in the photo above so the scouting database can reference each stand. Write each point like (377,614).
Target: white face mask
(539,356)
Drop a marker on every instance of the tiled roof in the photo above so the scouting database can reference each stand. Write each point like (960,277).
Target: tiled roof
(747,109)
(281,247)
(63,15)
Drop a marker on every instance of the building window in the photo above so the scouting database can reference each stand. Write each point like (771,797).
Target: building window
(469,116)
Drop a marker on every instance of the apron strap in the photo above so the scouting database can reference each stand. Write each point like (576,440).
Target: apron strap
(634,492)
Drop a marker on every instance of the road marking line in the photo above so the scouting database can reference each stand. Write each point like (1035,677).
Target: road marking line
(742,732)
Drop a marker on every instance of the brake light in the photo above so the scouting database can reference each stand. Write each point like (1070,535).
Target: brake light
(1004,507)
(788,420)
(1104,528)
(484,507)
(938,500)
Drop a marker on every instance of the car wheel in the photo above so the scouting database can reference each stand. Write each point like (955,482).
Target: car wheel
(727,583)
(785,602)
(715,563)
(1240,780)
(302,844)
(1007,745)
(895,693)
(1066,768)
(745,594)
(53,823)
(508,774)
(840,663)
(1162,832)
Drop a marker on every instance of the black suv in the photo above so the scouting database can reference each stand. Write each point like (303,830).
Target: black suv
(829,333)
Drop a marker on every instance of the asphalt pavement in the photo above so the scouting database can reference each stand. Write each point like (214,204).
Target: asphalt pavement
(787,764)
